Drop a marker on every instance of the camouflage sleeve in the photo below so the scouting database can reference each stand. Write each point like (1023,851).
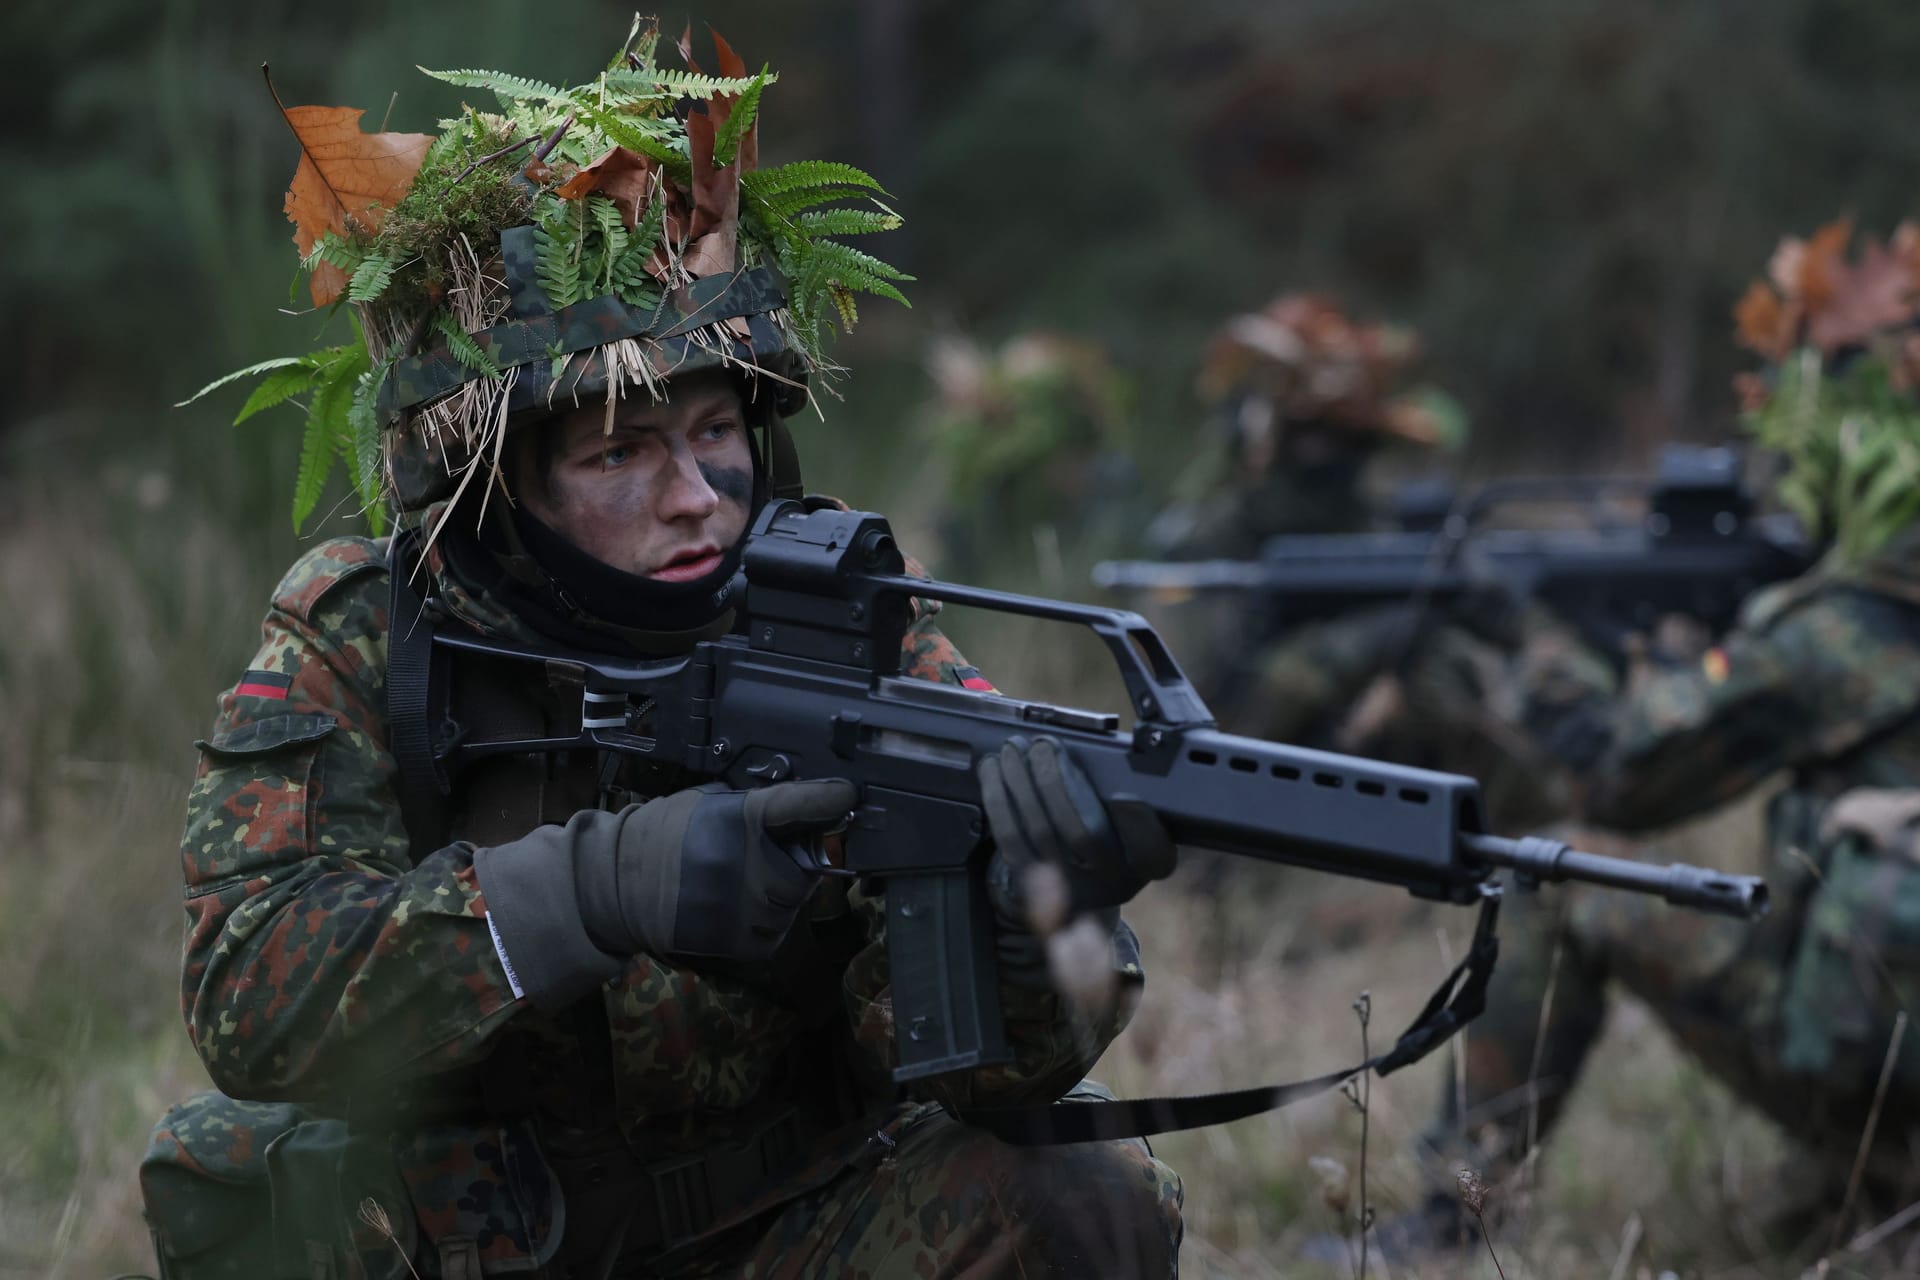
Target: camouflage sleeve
(1053,1047)
(318,952)
(1792,686)
(1311,675)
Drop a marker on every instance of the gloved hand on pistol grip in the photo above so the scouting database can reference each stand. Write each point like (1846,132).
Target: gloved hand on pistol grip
(700,875)
(1043,811)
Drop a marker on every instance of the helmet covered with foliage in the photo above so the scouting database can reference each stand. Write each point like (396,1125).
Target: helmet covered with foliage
(578,244)
(1838,397)
(1043,405)
(1302,362)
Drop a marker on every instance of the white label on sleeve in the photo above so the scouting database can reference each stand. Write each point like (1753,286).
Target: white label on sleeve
(506,961)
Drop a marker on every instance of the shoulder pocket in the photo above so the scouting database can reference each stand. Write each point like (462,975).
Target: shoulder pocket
(1857,961)
(251,808)
(264,737)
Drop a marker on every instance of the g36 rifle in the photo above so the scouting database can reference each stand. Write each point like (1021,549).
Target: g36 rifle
(807,686)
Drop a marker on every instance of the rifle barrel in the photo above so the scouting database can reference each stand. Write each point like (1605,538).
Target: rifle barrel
(1536,858)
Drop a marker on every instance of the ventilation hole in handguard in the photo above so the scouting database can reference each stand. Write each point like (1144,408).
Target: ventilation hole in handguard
(1203,757)
(1285,772)
(1241,764)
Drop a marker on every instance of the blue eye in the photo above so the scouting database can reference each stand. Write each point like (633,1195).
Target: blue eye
(720,429)
(614,455)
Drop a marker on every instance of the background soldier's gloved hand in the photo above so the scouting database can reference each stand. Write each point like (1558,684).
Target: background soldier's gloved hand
(700,875)
(1061,851)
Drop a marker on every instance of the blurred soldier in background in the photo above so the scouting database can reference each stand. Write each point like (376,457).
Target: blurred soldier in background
(1030,443)
(1309,406)
(1820,682)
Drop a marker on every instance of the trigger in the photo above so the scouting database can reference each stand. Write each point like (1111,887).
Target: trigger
(823,853)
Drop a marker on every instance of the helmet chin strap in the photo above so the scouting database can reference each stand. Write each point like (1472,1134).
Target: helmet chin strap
(782,460)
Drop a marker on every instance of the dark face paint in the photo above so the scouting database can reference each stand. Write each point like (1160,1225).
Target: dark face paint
(733,484)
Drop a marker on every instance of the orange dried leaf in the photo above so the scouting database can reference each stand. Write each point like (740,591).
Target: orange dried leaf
(346,181)
(1762,324)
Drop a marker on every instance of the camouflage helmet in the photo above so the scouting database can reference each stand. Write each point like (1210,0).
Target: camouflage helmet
(1837,398)
(579,244)
(1301,360)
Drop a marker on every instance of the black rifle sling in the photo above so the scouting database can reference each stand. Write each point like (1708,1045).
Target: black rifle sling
(409,677)
(1458,1001)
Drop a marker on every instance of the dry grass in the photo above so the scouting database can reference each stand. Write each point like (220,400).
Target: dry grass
(113,640)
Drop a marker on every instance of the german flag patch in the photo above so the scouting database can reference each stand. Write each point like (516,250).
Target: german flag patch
(970,678)
(264,684)
(1714,665)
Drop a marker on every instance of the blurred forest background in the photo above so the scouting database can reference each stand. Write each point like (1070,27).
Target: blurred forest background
(1562,196)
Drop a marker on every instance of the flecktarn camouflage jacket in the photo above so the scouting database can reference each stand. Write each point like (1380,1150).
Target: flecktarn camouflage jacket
(332,971)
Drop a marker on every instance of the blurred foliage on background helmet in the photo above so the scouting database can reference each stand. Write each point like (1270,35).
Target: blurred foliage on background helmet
(1036,405)
(1030,452)
(1840,398)
(1306,360)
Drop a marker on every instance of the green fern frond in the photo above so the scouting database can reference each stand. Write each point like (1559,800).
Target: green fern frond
(363,429)
(680,84)
(507,88)
(326,430)
(613,239)
(857,270)
(280,386)
(251,371)
(726,141)
(846,222)
(804,174)
(371,278)
(627,133)
(631,282)
(316,459)
(461,345)
(556,243)
(336,251)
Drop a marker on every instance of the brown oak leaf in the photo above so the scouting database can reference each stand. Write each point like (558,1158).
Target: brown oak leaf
(1763,323)
(346,181)
(1870,295)
(623,176)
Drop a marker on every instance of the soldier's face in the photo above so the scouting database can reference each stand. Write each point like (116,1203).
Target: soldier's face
(665,495)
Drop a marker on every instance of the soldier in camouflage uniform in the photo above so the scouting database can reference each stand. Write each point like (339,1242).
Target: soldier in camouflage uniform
(573,1021)
(1820,681)
(1308,400)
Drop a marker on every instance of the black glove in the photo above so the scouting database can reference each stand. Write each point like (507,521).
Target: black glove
(700,875)
(1042,810)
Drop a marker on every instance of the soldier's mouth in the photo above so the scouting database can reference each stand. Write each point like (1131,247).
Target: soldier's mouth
(686,566)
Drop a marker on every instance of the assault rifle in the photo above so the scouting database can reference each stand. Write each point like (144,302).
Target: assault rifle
(1697,549)
(807,686)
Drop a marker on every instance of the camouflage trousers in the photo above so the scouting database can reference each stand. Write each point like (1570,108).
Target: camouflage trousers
(941,1201)
(1732,994)
(912,1193)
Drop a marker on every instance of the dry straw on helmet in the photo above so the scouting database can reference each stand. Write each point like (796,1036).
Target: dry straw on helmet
(1838,399)
(578,242)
